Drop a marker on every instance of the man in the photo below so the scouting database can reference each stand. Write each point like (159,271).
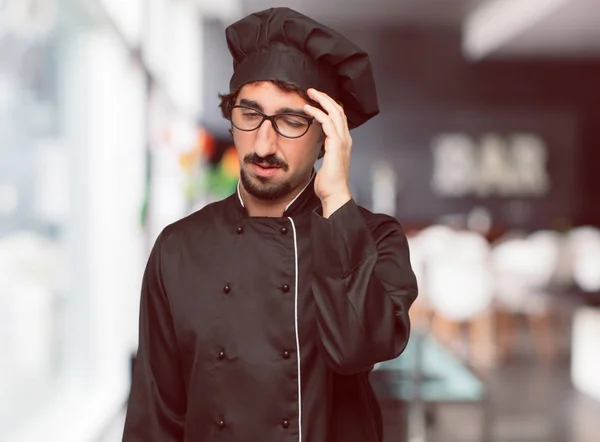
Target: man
(262,315)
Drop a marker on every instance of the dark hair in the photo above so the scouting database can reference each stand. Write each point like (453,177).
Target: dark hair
(229,100)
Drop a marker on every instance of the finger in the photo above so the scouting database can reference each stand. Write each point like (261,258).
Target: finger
(332,108)
(326,120)
(318,95)
(327,123)
(328,104)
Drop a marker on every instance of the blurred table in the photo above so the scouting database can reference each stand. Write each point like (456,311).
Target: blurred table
(584,307)
(424,376)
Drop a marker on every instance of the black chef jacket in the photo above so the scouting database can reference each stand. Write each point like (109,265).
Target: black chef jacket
(256,329)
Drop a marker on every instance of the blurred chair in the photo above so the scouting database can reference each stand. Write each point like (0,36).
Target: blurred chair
(584,245)
(523,271)
(585,351)
(423,245)
(562,273)
(460,292)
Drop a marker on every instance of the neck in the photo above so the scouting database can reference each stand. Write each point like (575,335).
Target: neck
(269,208)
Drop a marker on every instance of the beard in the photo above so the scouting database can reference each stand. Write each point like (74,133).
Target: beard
(262,189)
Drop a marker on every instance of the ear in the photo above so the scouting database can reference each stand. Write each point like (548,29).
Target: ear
(321,140)
(321,153)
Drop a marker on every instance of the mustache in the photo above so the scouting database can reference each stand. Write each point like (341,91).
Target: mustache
(269,161)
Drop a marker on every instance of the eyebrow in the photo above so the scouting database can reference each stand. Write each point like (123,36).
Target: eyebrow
(283,110)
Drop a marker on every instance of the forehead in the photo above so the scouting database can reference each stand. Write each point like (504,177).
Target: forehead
(270,97)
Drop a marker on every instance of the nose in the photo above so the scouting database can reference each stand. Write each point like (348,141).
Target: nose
(265,143)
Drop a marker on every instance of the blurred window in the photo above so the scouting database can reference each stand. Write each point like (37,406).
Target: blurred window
(53,298)
(39,246)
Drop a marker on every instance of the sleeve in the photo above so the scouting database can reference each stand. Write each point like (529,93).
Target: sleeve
(363,286)
(157,402)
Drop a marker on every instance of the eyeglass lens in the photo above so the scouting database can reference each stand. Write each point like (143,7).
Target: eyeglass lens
(288,125)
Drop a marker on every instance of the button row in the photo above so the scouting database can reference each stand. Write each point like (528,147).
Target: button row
(286,354)
(285,423)
(283,230)
(284,288)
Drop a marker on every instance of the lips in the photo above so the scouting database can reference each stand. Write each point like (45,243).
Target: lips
(264,171)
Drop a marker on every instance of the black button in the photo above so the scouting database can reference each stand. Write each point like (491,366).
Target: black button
(221,423)
(285,423)
(227,288)
(285,288)
(284,231)
(221,354)
(286,354)
(240,230)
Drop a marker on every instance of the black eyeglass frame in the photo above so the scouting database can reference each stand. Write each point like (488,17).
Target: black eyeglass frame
(270,118)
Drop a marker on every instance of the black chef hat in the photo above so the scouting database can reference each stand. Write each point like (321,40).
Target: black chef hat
(282,44)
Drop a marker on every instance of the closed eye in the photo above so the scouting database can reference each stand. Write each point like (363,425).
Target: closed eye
(295,123)
(292,120)
(251,114)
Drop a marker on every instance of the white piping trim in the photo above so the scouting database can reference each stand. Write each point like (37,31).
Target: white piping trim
(296,328)
(301,192)
(239,194)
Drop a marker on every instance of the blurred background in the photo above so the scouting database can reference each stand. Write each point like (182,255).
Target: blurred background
(487,150)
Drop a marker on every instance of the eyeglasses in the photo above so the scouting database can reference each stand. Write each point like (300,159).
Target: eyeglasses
(287,125)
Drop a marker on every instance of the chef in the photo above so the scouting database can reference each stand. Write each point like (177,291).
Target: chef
(262,315)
